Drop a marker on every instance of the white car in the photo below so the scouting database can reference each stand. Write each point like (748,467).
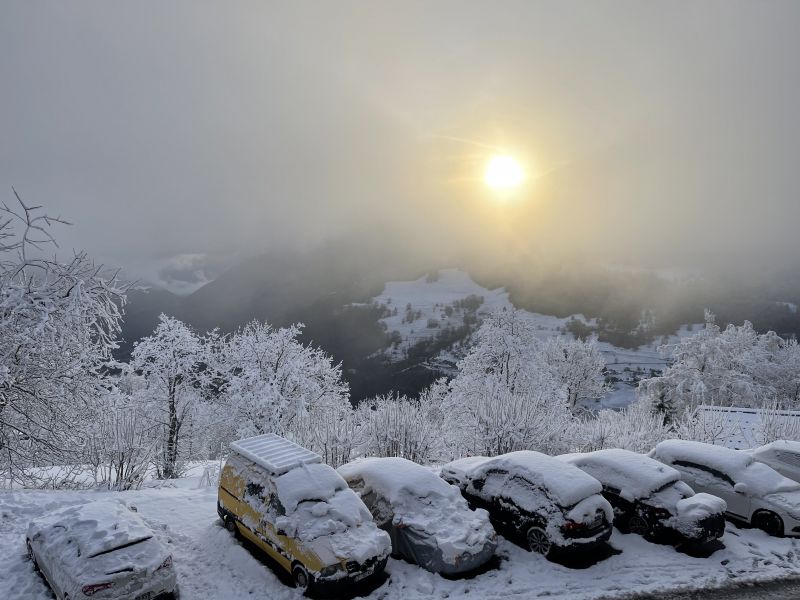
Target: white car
(100,549)
(754,492)
(782,455)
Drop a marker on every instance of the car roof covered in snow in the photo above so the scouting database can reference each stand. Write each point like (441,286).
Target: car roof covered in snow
(97,527)
(723,459)
(464,466)
(391,477)
(567,485)
(634,474)
(276,454)
(740,466)
(308,482)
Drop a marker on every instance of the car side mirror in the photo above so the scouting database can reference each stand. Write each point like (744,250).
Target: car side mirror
(742,488)
(281,532)
(477,484)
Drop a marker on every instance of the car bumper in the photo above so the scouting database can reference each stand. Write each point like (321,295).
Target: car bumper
(579,544)
(338,585)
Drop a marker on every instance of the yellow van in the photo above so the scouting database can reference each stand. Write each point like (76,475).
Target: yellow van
(300,511)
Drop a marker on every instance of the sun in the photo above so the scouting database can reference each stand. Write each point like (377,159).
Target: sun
(503,172)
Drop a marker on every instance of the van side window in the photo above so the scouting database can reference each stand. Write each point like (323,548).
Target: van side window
(256,490)
(275,505)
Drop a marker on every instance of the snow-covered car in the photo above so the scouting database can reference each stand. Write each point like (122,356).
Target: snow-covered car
(754,493)
(781,455)
(536,500)
(100,549)
(298,510)
(428,520)
(649,498)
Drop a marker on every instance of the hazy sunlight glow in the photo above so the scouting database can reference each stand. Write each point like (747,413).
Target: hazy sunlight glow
(503,172)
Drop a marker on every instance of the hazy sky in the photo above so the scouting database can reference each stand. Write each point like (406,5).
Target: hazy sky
(182,136)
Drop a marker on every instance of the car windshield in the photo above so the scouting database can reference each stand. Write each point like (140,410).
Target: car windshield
(121,546)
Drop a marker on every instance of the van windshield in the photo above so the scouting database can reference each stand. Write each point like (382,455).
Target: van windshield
(314,518)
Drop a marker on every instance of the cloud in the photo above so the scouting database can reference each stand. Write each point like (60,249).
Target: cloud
(669,131)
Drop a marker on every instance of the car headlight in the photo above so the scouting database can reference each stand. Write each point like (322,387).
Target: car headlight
(330,570)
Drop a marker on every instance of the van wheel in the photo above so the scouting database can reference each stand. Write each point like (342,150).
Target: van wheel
(769,522)
(230,525)
(538,541)
(302,581)
(638,525)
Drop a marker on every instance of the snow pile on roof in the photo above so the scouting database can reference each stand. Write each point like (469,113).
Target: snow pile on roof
(740,466)
(568,485)
(308,482)
(392,478)
(635,475)
(425,503)
(723,459)
(96,527)
(276,454)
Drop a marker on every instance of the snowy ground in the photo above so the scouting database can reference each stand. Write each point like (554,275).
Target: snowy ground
(211,565)
(429,300)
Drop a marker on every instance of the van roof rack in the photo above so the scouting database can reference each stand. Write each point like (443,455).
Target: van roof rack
(276,454)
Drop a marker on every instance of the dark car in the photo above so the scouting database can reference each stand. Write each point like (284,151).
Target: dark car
(535,500)
(649,498)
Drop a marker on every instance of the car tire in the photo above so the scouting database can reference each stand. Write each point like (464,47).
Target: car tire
(230,525)
(538,541)
(769,522)
(302,580)
(638,525)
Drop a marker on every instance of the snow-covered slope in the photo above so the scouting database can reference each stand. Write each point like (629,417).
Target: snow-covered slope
(442,303)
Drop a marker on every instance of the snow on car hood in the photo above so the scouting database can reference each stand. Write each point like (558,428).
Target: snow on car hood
(339,528)
(96,527)
(311,518)
(358,543)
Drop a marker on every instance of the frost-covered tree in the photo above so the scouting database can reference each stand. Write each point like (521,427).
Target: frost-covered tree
(398,426)
(634,428)
(500,420)
(736,366)
(504,353)
(174,363)
(576,367)
(58,324)
(272,380)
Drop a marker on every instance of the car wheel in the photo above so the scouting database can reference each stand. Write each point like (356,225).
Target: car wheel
(538,541)
(769,522)
(302,581)
(638,525)
(230,525)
